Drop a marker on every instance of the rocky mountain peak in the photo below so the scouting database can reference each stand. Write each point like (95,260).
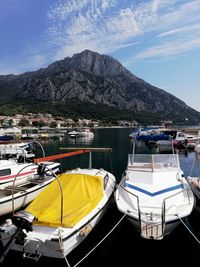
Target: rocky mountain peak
(91,79)
(100,65)
(91,62)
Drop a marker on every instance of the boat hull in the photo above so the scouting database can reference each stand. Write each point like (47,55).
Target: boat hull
(11,200)
(168,228)
(58,242)
(154,194)
(56,248)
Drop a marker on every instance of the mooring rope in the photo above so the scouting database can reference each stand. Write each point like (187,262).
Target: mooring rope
(97,243)
(67,261)
(189,230)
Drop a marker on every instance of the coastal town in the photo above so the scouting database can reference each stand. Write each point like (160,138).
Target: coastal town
(48,120)
(40,125)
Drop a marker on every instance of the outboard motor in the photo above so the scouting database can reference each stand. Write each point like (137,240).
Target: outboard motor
(23,221)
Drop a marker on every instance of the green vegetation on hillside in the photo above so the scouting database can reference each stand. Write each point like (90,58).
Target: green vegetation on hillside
(75,110)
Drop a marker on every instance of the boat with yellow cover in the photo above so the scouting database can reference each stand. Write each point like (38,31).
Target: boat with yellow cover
(61,217)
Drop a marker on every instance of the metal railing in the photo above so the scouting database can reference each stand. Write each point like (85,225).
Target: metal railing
(150,214)
(138,205)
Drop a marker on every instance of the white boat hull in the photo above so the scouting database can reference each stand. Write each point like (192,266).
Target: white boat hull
(22,190)
(20,198)
(10,170)
(53,248)
(59,242)
(168,228)
(154,195)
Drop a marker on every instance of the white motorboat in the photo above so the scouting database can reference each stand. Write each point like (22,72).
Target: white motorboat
(17,194)
(19,161)
(10,168)
(180,139)
(85,132)
(22,152)
(61,217)
(189,140)
(154,194)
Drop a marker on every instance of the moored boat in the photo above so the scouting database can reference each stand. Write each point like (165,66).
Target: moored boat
(20,151)
(20,192)
(154,194)
(9,169)
(194,181)
(62,216)
(85,132)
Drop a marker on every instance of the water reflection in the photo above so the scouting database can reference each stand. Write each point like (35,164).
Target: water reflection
(81,140)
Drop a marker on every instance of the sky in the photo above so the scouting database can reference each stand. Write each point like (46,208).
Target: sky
(157,40)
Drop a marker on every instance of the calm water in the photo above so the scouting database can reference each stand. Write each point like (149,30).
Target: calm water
(124,247)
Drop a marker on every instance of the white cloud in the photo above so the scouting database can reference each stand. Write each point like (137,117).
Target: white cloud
(63,9)
(170,48)
(182,30)
(180,14)
(124,25)
(107,26)
(104,27)
(157,28)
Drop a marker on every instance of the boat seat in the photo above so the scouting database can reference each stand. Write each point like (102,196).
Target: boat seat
(37,180)
(14,188)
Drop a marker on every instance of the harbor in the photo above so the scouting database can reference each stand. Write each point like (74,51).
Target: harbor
(124,238)
(99,133)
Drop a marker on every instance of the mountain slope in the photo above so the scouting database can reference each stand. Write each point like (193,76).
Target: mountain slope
(91,85)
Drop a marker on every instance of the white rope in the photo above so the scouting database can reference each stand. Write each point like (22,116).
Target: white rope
(189,230)
(67,261)
(98,243)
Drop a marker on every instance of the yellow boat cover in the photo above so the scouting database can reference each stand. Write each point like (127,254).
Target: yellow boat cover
(81,194)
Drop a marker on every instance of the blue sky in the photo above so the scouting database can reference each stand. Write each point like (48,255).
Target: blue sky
(157,40)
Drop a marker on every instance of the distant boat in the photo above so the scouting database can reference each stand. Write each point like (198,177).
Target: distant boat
(5,137)
(182,139)
(149,134)
(8,134)
(20,151)
(194,181)
(154,194)
(164,138)
(87,133)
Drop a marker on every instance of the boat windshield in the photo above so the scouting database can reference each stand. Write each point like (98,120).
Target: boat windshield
(156,162)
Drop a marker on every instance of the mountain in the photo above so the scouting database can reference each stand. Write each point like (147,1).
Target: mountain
(91,85)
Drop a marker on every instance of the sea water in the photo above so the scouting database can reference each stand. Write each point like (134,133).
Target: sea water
(124,246)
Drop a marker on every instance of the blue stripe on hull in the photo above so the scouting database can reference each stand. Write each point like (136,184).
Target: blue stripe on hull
(179,186)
